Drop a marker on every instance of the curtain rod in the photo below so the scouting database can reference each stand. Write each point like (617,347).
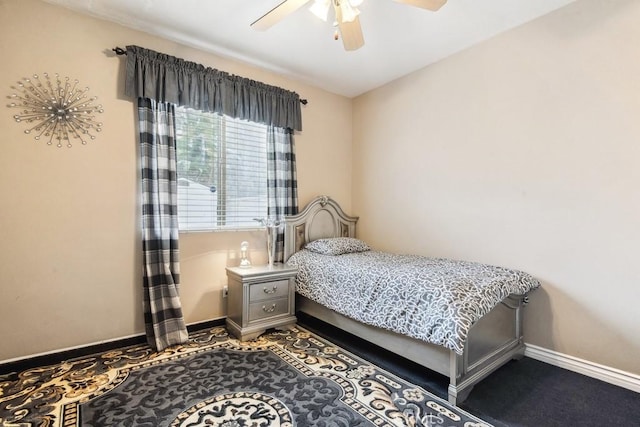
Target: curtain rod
(121,51)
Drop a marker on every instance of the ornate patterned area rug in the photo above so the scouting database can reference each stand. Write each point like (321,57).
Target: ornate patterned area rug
(284,378)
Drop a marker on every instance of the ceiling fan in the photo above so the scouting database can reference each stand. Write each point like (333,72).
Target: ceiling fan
(346,16)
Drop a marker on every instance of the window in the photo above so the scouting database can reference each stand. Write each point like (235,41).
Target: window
(222,171)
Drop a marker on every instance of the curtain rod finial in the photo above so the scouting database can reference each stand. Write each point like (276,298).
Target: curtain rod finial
(119,51)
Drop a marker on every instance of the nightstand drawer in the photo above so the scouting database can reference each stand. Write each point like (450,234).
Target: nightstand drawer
(268,290)
(271,308)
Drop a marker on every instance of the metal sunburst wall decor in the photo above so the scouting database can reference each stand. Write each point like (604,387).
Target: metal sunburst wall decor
(56,110)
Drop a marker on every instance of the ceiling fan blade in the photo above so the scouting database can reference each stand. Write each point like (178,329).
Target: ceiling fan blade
(351,32)
(424,4)
(278,13)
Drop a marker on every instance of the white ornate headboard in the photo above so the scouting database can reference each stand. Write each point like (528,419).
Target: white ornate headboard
(321,218)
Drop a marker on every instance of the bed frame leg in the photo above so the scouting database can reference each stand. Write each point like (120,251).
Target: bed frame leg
(456,397)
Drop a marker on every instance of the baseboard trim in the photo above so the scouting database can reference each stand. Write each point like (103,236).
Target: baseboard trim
(604,373)
(49,358)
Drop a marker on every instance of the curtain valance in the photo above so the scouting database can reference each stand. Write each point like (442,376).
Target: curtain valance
(165,78)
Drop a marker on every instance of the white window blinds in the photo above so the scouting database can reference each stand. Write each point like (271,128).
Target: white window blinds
(222,171)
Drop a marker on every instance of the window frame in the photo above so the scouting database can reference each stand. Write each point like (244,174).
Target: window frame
(231,134)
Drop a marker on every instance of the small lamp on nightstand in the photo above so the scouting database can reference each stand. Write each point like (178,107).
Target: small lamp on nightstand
(244,261)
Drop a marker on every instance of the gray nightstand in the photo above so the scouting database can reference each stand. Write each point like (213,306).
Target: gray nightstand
(260,297)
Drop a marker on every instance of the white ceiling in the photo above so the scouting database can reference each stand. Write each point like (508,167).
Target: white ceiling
(399,39)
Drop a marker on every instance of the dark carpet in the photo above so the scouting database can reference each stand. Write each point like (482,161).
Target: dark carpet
(533,393)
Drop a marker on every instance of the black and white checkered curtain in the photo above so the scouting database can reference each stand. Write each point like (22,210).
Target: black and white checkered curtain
(163,318)
(282,187)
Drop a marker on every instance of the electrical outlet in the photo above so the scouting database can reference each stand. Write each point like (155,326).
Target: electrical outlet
(225,292)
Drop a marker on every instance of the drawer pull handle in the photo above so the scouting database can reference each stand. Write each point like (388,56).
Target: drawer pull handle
(270,309)
(270,291)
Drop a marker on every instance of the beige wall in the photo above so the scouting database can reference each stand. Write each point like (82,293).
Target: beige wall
(523,152)
(70,265)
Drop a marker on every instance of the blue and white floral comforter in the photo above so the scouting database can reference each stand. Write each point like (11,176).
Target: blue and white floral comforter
(432,299)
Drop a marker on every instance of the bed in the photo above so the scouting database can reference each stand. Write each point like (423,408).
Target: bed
(465,349)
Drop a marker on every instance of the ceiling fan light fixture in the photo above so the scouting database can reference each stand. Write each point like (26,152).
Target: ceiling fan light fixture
(346,16)
(349,13)
(320,8)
